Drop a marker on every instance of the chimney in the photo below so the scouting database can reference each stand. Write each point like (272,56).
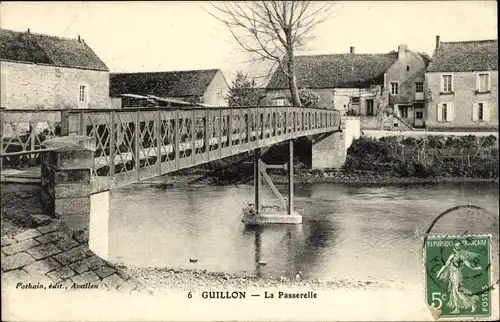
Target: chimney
(438,42)
(352,50)
(29,31)
(78,38)
(402,50)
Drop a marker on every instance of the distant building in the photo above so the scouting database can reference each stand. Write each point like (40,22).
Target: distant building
(359,83)
(208,87)
(47,72)
(462,86)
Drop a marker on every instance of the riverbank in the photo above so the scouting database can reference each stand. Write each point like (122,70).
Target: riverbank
(338,177)
(162,279)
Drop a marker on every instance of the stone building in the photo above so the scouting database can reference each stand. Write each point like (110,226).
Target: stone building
(46,72)
(355,83)
(462,86)
(208,87)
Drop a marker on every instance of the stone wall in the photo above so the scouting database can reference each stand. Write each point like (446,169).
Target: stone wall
(463,97)
(28,86)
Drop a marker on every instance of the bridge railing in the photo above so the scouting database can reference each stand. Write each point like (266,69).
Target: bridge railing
(135,144)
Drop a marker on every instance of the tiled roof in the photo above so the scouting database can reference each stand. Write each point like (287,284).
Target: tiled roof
(44,49)
(337,70)
(465,56)
(162,84)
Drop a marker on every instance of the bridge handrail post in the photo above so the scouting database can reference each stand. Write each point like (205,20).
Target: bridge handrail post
(193,136)
(82,124)
(64,123)
(207,133)
(249,125)
(136,144)
(176,139)
(220,133)
(112,143)
(230,128)
(159,144)
(290,177)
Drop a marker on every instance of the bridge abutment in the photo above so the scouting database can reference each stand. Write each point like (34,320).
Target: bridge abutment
(331,151)
(67,191)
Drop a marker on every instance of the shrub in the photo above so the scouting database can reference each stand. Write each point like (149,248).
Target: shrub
(308,98)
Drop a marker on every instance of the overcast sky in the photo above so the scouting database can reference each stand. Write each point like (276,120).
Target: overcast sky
(161,36)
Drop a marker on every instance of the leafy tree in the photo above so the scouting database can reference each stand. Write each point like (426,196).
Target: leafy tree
(243,92)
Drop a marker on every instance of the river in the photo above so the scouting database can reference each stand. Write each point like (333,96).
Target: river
(348,231)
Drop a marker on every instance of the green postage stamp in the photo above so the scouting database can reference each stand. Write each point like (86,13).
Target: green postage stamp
(458,275)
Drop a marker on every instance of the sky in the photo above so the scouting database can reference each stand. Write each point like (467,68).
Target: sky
(173,35)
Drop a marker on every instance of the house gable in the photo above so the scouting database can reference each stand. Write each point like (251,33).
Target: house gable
(216,91)
(408,70)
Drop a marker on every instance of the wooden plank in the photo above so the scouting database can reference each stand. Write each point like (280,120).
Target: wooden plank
(271,184)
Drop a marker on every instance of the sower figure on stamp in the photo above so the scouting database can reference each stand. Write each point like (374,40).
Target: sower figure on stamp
(459,297)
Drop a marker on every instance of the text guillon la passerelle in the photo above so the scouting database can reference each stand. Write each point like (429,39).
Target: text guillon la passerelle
(267,295)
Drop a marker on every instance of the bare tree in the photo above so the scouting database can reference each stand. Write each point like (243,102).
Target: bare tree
(273,30)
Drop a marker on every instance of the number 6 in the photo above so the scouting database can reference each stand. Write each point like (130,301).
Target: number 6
(436,297)
(190,295)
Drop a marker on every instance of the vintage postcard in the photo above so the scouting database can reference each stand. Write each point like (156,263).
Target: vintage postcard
(249,161)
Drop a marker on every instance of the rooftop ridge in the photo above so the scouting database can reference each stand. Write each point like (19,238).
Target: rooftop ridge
(168,71)
(468,41)
(350,54)
(41,35)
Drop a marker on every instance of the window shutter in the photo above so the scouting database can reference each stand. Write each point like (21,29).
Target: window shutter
(450,112)
(475,113)
(439,113)
(486,111)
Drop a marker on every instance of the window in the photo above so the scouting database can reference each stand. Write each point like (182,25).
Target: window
(403,111)
(394,88)
(483,82)
(369,107)
(407,68)
(445,112)
(82,98)
(419,115)
(481,112)
(355,100)
(279,101)
(419,87)
(447,83)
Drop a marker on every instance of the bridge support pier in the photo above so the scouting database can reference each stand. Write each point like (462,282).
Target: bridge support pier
(258,214)
(67,191)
